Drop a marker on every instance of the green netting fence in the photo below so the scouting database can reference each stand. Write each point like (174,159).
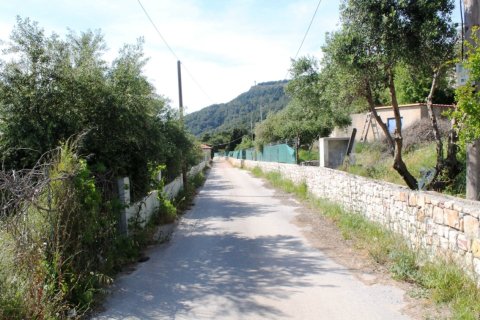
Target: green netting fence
(276,153)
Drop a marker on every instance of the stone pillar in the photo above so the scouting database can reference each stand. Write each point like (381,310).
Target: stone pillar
(323,149)
(123,185)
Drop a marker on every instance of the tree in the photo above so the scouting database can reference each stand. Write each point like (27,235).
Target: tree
(57,88)
(376,36)
(413,87)
(466,115)
(472,21)
(430,40)
(246,143)
(308,114)
(468,96)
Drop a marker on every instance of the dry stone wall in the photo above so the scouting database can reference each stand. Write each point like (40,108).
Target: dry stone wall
(440,224)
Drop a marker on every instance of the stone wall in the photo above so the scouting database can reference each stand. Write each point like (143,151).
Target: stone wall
(143,209)
(440,224)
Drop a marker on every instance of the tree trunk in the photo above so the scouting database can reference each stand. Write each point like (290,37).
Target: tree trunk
(433,121)
(383,126)
(398,163)
(439,166)
(449,166)
(451,162)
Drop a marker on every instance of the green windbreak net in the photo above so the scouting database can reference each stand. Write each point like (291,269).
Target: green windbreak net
(277,153)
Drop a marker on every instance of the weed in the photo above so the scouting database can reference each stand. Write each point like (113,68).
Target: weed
(184,199)
(257,172)
(404,264)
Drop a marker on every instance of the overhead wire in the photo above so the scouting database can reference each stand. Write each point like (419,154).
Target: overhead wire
(190,74)
(222,144)
(306,32)
(158,31)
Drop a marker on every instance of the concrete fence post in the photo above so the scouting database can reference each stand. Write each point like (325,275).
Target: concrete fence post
(123,185)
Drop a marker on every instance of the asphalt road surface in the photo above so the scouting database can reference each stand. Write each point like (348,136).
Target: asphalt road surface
(237,255)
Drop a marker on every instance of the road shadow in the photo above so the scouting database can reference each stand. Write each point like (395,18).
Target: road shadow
(203,263)
(225,272)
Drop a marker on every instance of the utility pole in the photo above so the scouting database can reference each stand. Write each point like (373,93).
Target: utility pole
(180,110)
(261,113)
(180,95)
(251,124)
(472,19)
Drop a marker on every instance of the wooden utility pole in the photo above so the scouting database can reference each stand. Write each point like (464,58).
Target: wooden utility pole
(180,95)
(472,19)
(180,110)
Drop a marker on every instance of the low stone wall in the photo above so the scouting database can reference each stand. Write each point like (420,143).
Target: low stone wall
(440,224)
(143,209)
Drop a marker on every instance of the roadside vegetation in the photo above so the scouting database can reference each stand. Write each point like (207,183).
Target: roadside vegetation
(373,160)
(60,245)
(441,281)
(70,125)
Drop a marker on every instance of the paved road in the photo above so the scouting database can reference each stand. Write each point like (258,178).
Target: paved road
(236,255)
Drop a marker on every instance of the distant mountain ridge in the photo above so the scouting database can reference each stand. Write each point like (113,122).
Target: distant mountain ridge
(269,96)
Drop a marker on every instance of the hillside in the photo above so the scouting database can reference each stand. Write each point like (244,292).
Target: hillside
(270,96)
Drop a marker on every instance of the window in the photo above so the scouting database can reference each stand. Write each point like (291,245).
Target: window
(391,125)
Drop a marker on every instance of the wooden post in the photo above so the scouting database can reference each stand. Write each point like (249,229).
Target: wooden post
(180,109)
(180,95)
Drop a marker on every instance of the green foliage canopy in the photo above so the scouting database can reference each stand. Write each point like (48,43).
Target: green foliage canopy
(310,113)
(468,96)
(53,88)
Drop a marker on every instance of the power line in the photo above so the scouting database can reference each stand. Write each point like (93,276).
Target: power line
(158,31)
(197,83)
(306,33)
(224,144)
(308,29)
(173,52)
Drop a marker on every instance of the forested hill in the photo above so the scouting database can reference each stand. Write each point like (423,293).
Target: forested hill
(270,96)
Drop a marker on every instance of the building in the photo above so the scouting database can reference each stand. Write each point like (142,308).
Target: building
(410,113)
(207,152)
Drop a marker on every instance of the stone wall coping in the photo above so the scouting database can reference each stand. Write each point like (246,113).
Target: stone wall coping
(470,205)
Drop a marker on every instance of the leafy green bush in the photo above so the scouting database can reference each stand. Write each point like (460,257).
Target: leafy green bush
(308,155)
(167,213)
(128,128)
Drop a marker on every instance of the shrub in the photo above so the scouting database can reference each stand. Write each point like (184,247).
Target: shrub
(167,213)
(62,236)
(421,131)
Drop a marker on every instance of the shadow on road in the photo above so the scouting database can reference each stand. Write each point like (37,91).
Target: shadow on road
(204,263)
(218,268)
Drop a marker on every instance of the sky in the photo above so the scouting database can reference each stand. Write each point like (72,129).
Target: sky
(225,46)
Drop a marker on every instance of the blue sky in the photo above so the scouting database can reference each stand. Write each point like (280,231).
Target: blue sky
(226,45)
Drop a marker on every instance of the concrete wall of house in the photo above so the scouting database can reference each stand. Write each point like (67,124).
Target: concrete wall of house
(332,151)
(142,210)
(440,224)
(409,113)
